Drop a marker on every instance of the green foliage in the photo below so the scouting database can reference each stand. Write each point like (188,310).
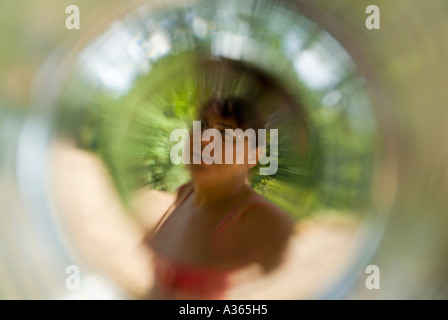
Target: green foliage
(132,135)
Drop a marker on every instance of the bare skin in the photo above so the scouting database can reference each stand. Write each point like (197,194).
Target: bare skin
(219,188)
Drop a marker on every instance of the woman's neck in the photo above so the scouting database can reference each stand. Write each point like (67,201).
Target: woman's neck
(211,193)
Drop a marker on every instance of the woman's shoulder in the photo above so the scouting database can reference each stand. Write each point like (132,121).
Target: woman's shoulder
(264,231)
(261,212)
(263,221)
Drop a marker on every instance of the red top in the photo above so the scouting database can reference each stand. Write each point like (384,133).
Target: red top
(187,281)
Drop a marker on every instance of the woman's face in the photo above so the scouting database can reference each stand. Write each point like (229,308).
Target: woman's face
(214,171)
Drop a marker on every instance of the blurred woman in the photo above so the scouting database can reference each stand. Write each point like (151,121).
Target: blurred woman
(218,224)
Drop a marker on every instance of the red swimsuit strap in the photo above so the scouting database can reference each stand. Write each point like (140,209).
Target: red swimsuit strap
(233,215)
(187,195)
(225,220)
(166,215)
(236,210)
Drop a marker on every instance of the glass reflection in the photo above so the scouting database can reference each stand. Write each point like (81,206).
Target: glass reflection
(109,174)
(147,75)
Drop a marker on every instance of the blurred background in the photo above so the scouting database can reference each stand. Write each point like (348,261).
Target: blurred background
(85,119)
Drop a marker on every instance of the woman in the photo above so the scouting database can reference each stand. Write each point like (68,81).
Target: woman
(218,224)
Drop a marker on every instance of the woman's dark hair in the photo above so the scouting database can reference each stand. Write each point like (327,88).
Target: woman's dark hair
(240,109)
